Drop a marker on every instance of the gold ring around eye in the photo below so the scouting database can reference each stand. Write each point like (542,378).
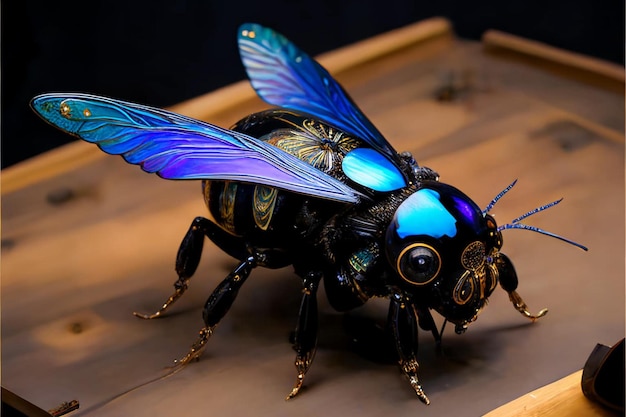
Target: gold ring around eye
(408,248)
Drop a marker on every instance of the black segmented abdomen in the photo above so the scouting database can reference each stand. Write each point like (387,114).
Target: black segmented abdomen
(265,216)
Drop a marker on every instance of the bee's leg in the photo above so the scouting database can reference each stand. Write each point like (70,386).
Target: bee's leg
(426,322)
(403,324)
(305,337)
(344,286)
(188,257)
(217,305)
(508,281)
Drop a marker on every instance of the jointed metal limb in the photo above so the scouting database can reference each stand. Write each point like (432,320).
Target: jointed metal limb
(181,286)
(521,306)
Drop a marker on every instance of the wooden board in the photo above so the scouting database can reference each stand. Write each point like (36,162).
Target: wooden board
(561,398)
(88,242)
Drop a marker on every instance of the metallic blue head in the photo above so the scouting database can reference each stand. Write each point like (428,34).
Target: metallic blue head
(439,242)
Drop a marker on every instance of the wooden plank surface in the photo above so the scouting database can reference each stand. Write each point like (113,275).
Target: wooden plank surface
(84,247)
(562,398)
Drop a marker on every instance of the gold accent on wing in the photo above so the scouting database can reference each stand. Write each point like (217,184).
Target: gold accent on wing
(264,201)
(249,34)
(315,143)
(65,110)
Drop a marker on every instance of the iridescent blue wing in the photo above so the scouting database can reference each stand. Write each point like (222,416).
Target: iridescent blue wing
(178,147)
(285,76)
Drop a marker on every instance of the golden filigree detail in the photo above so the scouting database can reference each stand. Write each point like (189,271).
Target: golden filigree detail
(206,192)
(227,201)
(315,143)
(263,203)
(495,276)
(474,260)
(461,294)
(473,256)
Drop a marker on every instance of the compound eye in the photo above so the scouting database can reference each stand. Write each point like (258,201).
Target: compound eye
(419,264)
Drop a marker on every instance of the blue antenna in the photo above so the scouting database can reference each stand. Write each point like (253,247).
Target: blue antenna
(498,197)
(515,223)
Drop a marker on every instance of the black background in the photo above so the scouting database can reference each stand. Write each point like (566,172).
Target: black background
(163,52)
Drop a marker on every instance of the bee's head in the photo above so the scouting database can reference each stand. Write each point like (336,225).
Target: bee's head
(445,250)
(438,243)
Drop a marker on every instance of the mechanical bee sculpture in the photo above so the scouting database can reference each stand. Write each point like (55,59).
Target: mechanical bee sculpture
(313,184)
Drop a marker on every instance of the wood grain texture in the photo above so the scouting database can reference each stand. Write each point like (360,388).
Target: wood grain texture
(538,50)
(560,398)
(85,246)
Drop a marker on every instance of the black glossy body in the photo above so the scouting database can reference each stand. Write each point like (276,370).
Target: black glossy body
(290,228)
(359,250)
(312,184)
(348,245)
